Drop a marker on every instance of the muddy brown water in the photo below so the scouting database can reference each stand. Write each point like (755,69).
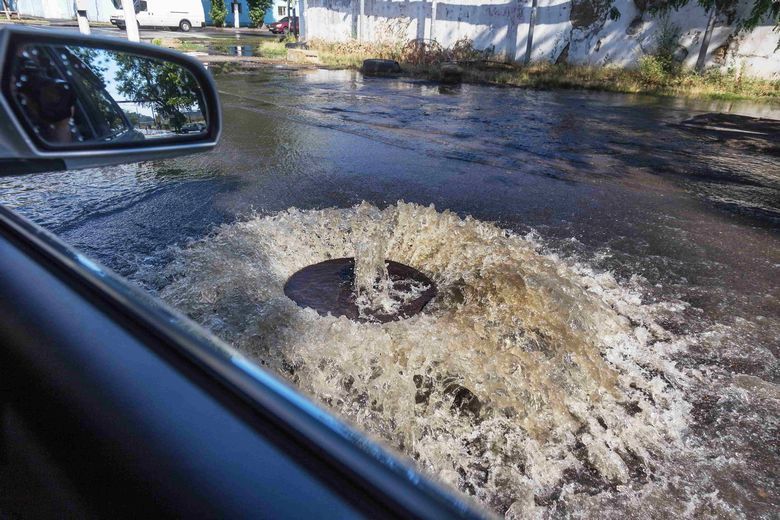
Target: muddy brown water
(605,336)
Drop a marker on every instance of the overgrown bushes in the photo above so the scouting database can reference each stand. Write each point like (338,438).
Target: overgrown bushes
(257,9)
(660,73)
(218,12)
(657,67)
(419,52)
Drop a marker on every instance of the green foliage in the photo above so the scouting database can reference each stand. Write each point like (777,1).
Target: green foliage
(660,66)
(760,10)
(96,59)
(167,87)
(272,50)
(666,42)
(652,70)
(257,9)
(650,78)
(218,12)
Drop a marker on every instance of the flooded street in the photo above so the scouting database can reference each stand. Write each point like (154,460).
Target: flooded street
(606,326)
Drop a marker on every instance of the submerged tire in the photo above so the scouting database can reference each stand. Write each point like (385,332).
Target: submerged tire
(378,67)
(450,73)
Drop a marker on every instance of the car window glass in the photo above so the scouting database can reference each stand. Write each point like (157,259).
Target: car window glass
(71,95)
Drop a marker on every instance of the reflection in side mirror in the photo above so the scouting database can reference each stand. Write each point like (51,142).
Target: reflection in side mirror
(74,101)
(76,94)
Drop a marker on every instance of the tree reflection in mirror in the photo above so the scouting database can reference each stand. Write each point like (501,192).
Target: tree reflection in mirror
(71,95)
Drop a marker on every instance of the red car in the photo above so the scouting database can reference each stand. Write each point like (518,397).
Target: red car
(283,25)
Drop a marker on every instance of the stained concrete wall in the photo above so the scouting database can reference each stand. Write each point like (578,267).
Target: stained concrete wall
(576,31)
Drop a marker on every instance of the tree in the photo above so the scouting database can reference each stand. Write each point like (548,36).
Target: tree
(218,12)
(760,10)
(257,9)
(166,87)
(714,8)
(529,44)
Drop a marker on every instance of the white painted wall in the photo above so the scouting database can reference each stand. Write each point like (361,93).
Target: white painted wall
(503,25)
(97,10)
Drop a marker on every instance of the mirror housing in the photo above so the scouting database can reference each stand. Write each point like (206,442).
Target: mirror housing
(51,109)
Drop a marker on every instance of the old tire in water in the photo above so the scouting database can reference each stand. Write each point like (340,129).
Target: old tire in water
(376,67)
(450,73)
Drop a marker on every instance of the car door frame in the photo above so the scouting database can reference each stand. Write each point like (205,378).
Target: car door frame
(37,268)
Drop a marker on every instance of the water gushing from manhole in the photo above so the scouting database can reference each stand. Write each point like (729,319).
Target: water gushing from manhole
(330,287)
(526,379)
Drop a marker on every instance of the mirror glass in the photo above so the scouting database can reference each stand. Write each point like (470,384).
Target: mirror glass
(72,95)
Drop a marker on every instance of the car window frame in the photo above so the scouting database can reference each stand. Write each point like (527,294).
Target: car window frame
(45,149)
(311,435)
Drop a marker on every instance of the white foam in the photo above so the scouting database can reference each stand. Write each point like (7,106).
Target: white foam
(573,373)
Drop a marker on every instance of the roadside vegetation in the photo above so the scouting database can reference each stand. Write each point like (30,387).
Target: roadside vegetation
(218,12)
(263,47)
(658,73)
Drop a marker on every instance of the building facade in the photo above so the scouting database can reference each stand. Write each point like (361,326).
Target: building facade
(275,13)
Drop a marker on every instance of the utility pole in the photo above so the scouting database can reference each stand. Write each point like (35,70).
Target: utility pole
(7,10)
(235,15)
(301,21)
(362,22)
(432,35)
(131,24)
(529,45)
(81,16)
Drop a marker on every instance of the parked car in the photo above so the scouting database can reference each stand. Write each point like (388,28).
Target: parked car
(114,404)
(193,128)
(283,26)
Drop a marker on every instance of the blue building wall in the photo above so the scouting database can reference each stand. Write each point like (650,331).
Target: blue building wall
(271,15)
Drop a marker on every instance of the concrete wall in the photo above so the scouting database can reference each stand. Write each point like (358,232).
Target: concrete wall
(576,31)
(97,10)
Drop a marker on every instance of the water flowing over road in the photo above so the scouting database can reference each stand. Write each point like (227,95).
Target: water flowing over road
(606,327)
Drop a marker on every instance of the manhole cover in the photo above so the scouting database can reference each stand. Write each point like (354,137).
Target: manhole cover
(328,288)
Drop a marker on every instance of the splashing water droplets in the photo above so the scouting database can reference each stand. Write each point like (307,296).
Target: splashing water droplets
(520,378)
(373,287)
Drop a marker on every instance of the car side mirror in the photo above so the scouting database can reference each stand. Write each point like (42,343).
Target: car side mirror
(73,101)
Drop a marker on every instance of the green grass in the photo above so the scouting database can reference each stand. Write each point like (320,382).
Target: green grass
(186,46)
(263,47)
(271,49)
(179,45)
(714,85)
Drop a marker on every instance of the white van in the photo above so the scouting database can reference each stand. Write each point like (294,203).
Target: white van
(184,14)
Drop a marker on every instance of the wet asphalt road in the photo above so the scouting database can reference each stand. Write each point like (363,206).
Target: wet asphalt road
(610,180)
